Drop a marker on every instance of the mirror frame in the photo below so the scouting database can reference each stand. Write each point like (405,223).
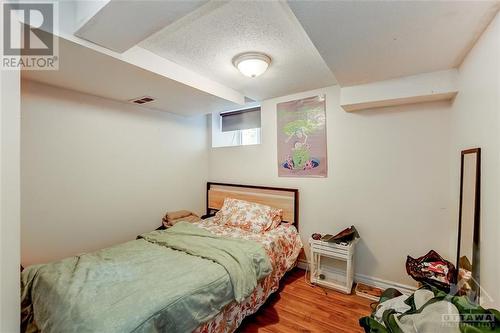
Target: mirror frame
(477,205)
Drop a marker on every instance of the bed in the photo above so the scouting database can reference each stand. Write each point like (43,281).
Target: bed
(176,280)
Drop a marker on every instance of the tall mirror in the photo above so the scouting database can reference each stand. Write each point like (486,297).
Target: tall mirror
(468,225)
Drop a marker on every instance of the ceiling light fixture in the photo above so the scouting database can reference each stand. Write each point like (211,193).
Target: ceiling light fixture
(252,64)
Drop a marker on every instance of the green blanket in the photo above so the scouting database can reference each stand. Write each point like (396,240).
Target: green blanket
(166,281)
(244,262)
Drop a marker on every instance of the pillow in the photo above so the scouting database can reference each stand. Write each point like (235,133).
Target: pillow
(248,216)
(277,217)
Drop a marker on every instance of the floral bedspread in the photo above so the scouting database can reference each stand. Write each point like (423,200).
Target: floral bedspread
(282,244)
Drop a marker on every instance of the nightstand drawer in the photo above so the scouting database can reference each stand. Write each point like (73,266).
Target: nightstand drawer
(329,252)
(327,247)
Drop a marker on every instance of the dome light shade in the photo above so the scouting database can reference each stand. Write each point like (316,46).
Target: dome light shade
(252,64)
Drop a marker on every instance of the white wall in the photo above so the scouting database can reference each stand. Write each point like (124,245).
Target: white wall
(476,123)
(97,172)
(9,201)
(388,175)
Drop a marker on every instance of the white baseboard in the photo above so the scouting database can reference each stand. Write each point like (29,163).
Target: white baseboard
(384,284)
(302,264)
(370,280)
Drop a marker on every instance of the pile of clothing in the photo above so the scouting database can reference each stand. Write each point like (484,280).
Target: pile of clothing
(429,310)
(171,218)
(436,307)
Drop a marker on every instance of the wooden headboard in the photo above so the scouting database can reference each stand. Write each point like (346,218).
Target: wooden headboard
(286,199)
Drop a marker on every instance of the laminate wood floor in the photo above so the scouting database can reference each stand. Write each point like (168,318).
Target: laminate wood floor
(299,307)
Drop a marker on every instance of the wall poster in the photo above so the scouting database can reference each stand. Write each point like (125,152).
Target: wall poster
(302,150)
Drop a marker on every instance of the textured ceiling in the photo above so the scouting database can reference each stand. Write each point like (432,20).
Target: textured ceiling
(83,69)
(357,41)
(207,39)
(365,41)
(102,27)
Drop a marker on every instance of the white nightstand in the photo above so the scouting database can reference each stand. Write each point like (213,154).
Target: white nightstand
(331,277)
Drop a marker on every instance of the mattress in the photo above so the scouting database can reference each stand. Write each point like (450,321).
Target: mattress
(133,286)
(283,246)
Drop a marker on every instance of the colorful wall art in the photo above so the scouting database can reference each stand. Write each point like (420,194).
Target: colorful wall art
(302,138)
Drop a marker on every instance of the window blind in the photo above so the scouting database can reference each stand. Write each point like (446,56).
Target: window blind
(240,119)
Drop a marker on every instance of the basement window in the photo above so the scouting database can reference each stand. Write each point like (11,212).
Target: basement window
(236,128)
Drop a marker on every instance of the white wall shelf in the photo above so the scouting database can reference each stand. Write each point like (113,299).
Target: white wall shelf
(427,87)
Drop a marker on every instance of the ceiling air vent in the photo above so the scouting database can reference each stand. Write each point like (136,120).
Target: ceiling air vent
(142,100)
